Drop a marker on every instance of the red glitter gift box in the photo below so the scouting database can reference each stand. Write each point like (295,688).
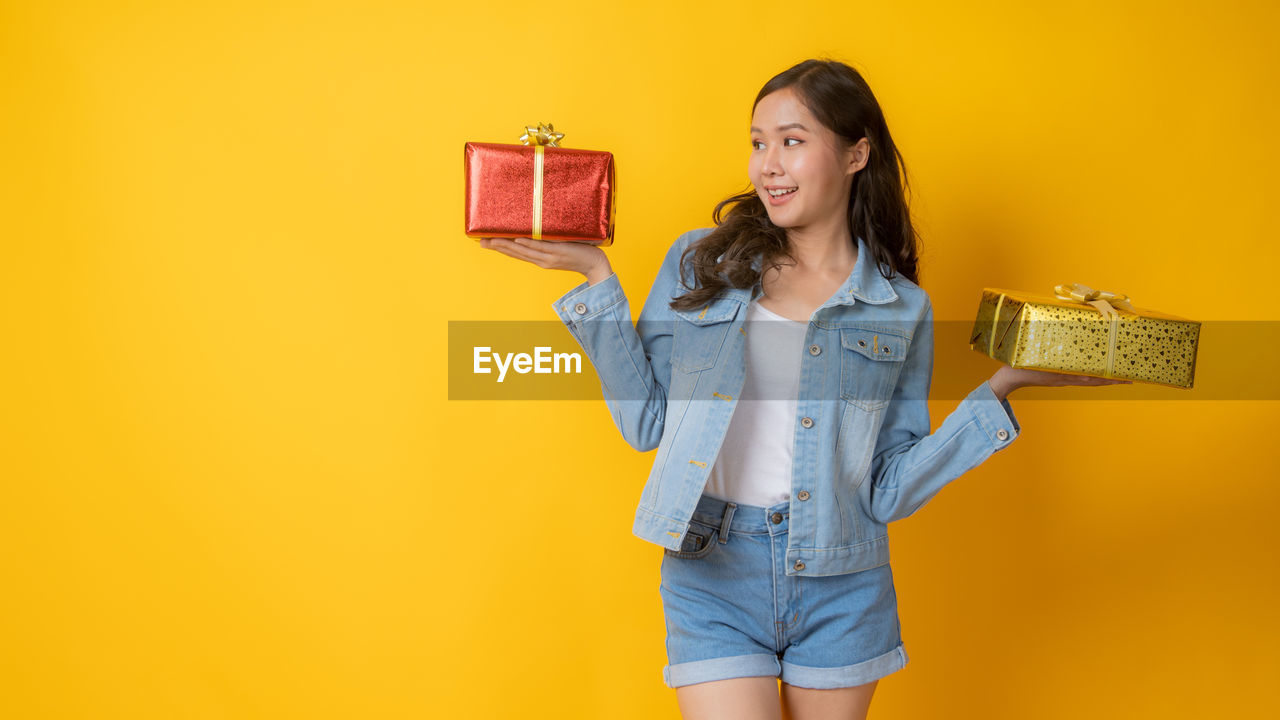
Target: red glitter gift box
(539,190)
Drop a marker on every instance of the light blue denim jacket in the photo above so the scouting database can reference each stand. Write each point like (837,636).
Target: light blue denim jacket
(863,453)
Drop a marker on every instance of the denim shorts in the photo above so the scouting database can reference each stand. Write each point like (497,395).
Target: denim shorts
(732,611)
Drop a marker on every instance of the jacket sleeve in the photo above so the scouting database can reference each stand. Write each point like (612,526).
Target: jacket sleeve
(911,465)
(633,362)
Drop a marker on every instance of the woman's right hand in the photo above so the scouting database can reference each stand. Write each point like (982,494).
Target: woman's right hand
(581,257)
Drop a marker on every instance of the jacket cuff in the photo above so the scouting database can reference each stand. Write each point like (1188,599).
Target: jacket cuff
(994,416)
(586,301)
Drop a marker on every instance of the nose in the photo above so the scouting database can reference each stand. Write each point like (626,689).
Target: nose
(771,164)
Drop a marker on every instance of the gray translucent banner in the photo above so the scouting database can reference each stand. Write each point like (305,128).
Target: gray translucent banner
(541,360)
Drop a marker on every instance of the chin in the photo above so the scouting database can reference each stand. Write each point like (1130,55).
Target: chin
(781,222)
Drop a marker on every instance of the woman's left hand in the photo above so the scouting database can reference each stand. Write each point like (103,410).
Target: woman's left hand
(1007,379)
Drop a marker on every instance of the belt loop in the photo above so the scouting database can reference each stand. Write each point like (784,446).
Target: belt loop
(724,524)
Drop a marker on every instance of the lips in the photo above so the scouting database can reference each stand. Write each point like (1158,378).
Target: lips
(785,197)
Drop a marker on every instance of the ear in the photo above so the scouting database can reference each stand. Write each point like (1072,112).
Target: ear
(858,155)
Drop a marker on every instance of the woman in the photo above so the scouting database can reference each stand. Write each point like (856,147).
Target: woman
(781,366)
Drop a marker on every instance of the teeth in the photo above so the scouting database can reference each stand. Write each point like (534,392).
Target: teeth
(778,193)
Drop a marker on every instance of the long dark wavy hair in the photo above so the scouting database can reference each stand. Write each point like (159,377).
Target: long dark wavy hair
(878,207)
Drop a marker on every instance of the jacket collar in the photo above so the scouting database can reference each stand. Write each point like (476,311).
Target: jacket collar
(864,283)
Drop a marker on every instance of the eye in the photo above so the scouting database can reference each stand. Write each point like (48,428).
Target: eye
(754,143)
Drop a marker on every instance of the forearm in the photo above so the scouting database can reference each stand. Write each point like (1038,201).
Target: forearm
(912,470)
(599,319)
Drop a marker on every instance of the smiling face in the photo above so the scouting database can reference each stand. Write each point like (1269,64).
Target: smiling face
(792,151)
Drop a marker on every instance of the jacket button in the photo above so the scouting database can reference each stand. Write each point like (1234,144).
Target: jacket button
(580,308)
(799,565)
(803,494)
(814,349)
(776,518)
(806,421)
(1002,434)
(862,343)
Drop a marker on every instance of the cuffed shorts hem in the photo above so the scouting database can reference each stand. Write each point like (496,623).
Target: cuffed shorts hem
(847,676)
(767,665)
(722,668)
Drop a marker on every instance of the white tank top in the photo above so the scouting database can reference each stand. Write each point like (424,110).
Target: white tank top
(754,463)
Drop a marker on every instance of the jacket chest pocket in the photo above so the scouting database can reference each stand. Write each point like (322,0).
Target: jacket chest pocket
(699,336)
(869,365)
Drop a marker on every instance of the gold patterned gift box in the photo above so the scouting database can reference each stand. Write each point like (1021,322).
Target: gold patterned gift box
(1083,331)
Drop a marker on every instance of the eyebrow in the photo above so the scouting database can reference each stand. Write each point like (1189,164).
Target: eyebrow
(783,127)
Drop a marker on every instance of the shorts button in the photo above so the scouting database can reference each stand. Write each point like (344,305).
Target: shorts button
(803,494)
(814,349)
(799,565)
(806,421)
(580,308)
(776,518)
(1002,434)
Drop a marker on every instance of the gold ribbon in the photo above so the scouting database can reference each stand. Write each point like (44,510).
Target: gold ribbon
(540,136)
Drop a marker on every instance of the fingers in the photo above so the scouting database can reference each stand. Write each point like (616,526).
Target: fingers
(1090,380)
(507,247)
(1105,381)
(1059,379)
(534,248)
(521,249)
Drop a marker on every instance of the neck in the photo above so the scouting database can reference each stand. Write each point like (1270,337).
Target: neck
(818,249)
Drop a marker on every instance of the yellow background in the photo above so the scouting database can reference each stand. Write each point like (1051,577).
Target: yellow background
(233,485)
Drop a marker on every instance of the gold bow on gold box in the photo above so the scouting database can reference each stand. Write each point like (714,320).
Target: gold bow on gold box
(1084,331)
